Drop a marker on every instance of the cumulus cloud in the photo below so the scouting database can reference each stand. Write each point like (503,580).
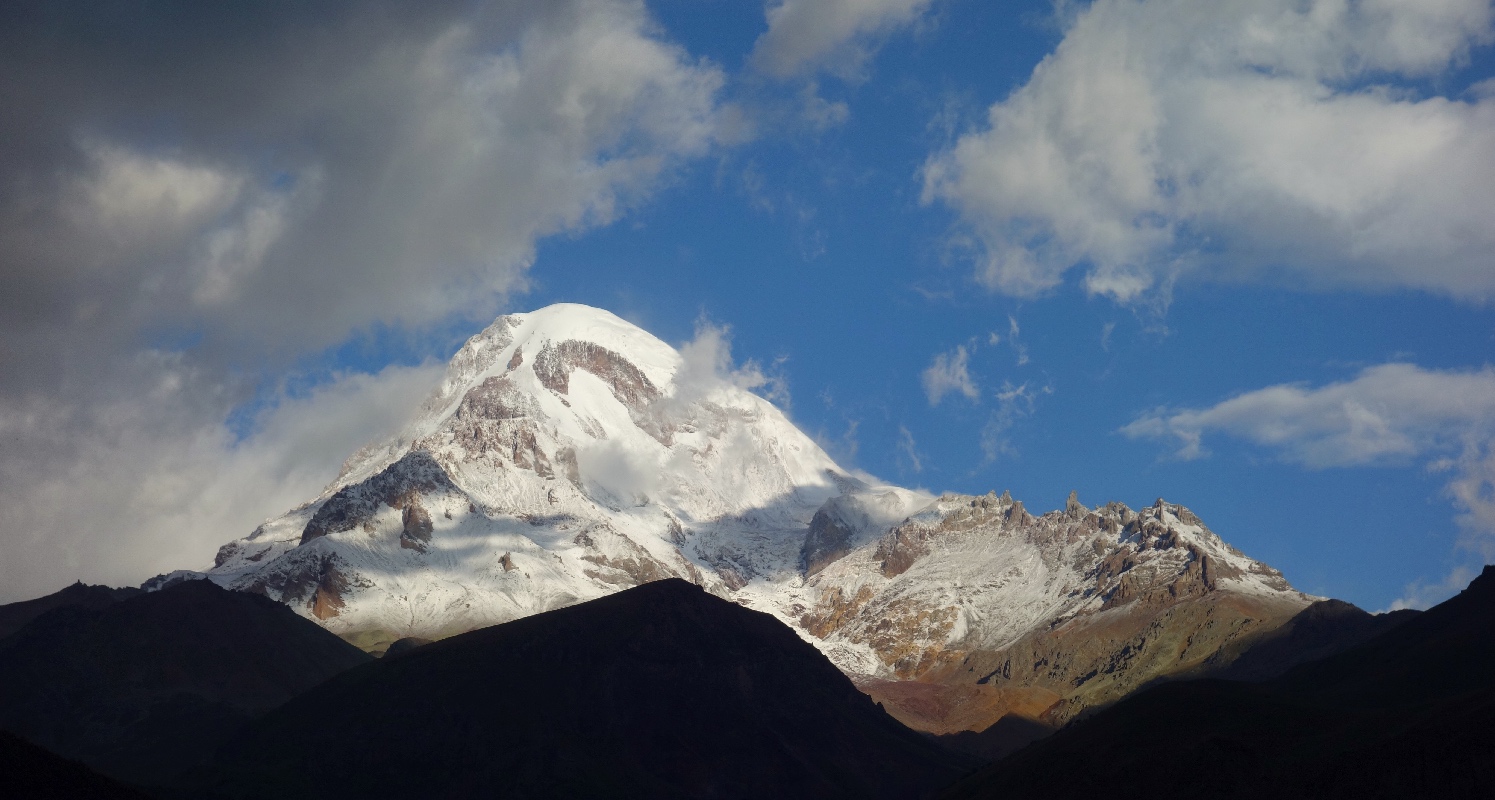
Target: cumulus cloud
(1244,139)
(320,169)
(197,196)
(1392,413)
(840,35)
(950,372)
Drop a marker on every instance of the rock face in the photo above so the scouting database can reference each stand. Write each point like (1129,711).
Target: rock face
(1039,616)
(568,455)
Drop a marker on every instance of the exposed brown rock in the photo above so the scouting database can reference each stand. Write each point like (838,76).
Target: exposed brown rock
(826,541)
(633,567)
(833,610)
(555,362)
(354,506)
(417,526)
(494,399)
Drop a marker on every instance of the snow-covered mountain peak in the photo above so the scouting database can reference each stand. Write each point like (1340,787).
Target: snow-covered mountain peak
(571,441)
(567,454)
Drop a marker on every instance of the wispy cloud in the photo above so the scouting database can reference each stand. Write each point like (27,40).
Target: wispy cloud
(908,450)
(1013,404)
(1422,594)
(1392,413)
(1014,340)
(1387,412)
(949,373)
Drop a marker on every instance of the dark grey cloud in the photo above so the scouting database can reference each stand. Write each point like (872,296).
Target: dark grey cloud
(194,193)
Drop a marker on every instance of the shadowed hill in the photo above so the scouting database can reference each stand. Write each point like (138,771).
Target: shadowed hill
(661,691)
(28,772)
(14,616)
(1405,714)
(1322,630)
(144,688)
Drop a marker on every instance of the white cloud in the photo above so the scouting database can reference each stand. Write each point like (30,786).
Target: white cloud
(1014,340)
(114,492)
(908,450)
(1240,139)
(949,373)
(837,34)
(1392,413)
(1422,595)
(821,114)
(708,367)
(1386,413)
(1013,404)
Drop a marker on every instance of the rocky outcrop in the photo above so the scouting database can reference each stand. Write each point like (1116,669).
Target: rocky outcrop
(826,540)
(554,363)
(629,385)
(397,486)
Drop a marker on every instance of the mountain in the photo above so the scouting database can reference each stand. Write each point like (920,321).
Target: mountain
(660,691)
(568,455)
(146,688)
(1406,713)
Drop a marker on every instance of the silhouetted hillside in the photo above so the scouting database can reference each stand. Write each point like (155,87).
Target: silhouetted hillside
(144,688)
(14,616)
(1323,629)
(28,772)
(662,691)
(1405,714)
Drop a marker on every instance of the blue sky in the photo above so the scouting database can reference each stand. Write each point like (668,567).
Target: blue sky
(1236,255)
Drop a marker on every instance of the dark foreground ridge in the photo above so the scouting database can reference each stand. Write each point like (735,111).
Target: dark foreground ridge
(28,772)
(146,687)
(661,691)
(14,616)
(1407,713)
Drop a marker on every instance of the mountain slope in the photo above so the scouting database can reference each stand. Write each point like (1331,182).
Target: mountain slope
(147,687)
(1405,714)
(661,691)
(568,455)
